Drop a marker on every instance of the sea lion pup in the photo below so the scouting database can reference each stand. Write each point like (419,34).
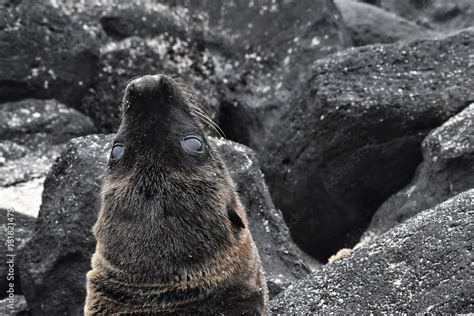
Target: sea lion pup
(172,235)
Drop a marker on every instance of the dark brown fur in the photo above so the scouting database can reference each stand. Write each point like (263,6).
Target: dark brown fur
(171,234)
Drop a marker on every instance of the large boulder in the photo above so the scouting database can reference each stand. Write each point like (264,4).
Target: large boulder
(32,134)
(43,53)
(369,24)
(278,40)
(447,170)
(423,266)
(352,137)
(56,259)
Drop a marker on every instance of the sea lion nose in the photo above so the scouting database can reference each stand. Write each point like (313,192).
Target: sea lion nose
(149,93)
(146,85)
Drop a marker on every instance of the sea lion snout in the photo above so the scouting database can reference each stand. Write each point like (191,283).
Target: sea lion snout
(148,84)
(150,92)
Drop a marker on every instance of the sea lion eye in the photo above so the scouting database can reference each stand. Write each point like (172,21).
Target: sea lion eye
(193,145)
(117,152)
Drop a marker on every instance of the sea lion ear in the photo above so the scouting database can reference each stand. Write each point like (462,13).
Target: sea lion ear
(235,218)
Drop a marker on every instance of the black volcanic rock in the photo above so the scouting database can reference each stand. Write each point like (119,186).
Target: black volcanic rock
(43,53)
(56,259)
(32,134)
(369,24)
(352,137)
(278,41)
(423,266)
(303,30)
(447,170)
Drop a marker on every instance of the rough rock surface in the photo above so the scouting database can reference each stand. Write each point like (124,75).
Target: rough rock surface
(275,61)
(43,53)
(421,266)
(441,15)
(56,259)
(22,227)
(32,134)
(352,137)
(447,170)
(369,24)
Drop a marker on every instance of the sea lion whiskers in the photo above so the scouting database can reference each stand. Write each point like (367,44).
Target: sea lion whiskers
(209,122)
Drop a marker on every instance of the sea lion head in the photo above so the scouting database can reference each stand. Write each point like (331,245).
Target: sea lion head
(168,207)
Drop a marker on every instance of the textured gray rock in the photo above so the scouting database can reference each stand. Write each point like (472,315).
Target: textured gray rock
(369,24)
(421,266)
(352,137)
(447,170)
(56,259)
(279,41)
(441,15)
(43,53)
(32,134)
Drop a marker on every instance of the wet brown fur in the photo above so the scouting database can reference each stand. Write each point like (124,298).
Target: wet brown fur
(172,235)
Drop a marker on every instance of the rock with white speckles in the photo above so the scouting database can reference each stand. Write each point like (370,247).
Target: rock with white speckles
(279,42)
(32,134)
(54,262)
(369,24)
(43,53)
(447,170)
(421,266)
(352,138)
